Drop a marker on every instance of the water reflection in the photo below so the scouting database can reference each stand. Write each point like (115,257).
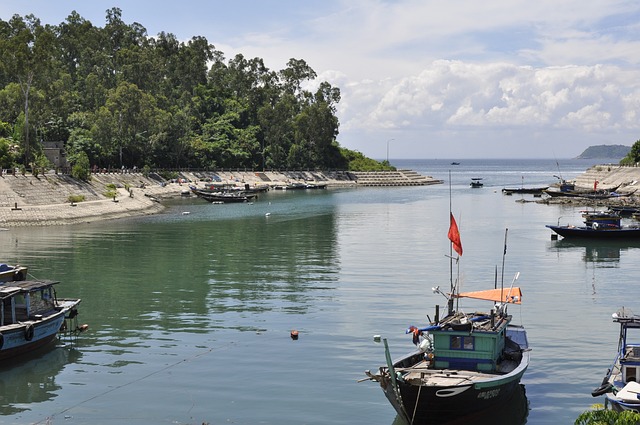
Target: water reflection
(32,379)
(602,254)
(513,411)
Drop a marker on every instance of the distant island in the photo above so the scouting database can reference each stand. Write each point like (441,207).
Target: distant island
(605,151)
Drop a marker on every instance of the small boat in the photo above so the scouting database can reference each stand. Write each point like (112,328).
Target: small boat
(476,182)
(599,225)
(31,315)
(12,273)
(211,195)
(464,362)
(455,163)
(597,231)
(524,190)
(621,384)
(625,210)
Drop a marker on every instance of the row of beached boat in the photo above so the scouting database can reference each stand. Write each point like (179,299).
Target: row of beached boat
(31,313)
(230,193)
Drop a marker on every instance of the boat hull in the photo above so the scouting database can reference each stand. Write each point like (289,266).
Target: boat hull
(600,234)
(429,403)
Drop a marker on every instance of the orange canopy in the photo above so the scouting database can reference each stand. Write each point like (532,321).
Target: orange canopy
(509,295)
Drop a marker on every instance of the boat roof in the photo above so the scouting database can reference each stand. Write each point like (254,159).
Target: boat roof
(11,288)
(476,178)
(508,295)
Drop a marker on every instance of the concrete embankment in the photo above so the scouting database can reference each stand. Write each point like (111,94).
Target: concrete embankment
(26,200)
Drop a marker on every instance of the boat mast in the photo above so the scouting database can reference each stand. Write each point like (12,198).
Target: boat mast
(504,254)
(452,293)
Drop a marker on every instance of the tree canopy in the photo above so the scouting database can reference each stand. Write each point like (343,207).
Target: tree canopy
(119,97)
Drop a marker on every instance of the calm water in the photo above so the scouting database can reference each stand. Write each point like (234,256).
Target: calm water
(190,315)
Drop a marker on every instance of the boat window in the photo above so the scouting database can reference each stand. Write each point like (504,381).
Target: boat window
(630,373)
(462,342)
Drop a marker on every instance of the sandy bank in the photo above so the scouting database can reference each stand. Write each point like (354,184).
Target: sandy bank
(44,200)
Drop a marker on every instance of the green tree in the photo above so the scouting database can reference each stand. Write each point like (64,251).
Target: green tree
(80,168)
(633,157)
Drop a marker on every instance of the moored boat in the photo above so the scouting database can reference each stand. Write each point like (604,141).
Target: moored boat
(229,196)
(476,182)
(12,273)
(31,315)
(464,362)
(524,190)
(621,384)
(599,225)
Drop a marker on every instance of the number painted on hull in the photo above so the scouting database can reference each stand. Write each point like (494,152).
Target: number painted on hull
(486,395)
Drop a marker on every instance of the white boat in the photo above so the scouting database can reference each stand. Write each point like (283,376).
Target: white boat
(11,273)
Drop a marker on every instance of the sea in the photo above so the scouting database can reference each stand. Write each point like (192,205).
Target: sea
(190,311)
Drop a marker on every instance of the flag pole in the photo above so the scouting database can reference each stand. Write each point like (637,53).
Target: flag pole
(450,303)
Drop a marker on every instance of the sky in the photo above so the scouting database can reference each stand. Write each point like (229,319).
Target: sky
(428,78)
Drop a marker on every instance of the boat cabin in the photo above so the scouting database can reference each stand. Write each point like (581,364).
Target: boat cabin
(629,352)
(456,346)
(26,300)
(476,182)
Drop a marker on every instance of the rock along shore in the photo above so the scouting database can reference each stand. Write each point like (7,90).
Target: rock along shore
(26,200)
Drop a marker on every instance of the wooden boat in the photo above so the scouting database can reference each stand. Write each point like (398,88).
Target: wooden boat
(31,315)
(476,182)
(12,273)
(597,231)
(621,384)
(525,190)
(599,225)
(464,363)
(211,195)
(625,210)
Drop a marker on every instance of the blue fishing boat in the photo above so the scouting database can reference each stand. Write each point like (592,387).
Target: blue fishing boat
(31,316)
(621,384)
(464,362)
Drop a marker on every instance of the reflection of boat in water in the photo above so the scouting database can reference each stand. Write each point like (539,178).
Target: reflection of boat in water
(514,412)
(605,253)
(32,378)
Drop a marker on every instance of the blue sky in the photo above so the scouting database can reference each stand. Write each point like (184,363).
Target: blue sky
(430,78)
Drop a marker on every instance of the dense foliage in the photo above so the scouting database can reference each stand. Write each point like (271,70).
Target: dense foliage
(123,98)
(633,157)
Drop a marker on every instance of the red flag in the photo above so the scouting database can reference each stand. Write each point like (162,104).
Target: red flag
(454,235)
(595,185)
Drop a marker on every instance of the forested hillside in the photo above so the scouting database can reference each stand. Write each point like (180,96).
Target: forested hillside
(125,98)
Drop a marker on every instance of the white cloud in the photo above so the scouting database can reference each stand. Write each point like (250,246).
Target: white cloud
(491,78)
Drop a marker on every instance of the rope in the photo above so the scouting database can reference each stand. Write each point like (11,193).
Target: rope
(47,420)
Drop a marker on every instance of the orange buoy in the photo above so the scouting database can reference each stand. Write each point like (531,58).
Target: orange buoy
(294,334)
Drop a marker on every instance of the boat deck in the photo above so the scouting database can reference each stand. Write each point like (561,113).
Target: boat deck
(421,374)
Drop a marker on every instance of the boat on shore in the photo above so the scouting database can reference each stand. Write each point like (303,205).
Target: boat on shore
(621,384)
(12,273)
(31,316)
(464,362)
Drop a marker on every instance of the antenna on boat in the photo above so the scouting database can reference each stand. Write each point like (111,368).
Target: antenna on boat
(504,254)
